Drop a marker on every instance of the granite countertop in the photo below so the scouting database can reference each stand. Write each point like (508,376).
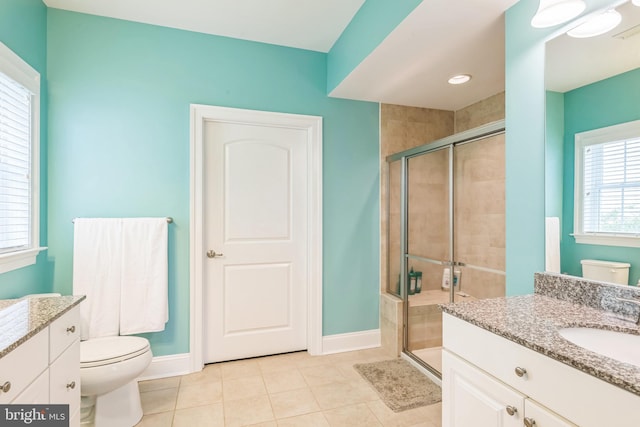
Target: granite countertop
(20,319)
(534,321)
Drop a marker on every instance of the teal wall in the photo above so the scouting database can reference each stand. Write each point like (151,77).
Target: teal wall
(604,103)
(525,151)
(23,29)
(373,22)
(119,146)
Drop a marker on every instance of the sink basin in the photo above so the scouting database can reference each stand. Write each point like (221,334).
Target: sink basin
(616,345)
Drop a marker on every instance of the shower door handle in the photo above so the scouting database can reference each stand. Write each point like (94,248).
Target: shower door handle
(212,254)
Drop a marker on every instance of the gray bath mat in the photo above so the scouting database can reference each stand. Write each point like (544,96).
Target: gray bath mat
(400,385)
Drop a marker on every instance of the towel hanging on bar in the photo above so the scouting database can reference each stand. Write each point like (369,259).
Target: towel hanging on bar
(169,220)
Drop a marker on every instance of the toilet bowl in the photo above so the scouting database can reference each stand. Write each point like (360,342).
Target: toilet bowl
(108,370)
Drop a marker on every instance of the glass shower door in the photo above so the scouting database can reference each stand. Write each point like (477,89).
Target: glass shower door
(428,251)
(479,218)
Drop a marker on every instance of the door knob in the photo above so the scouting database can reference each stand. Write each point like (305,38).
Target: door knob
(212,254)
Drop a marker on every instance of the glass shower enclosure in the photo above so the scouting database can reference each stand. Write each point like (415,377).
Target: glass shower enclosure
(446,238)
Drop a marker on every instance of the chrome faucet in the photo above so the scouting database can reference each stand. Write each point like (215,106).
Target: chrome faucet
(631,301)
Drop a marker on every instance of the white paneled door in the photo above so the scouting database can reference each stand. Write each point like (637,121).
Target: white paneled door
(256,241)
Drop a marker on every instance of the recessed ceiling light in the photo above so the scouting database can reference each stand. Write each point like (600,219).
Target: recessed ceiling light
(597,24)
(554,12)
(459,79)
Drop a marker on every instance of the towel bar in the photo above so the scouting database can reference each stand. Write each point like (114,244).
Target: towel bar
(169,220)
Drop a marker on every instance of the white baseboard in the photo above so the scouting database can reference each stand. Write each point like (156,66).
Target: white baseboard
(167,366)
(351,341)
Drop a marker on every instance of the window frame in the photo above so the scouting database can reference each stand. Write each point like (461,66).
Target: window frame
(17,69)
(628,130)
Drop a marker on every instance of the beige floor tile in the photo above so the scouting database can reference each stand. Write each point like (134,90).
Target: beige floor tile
(240,369)
(199,394)
(279,381)
(267,424)
(159,384)
(162,419)
(348,371)
(249,411)
(425,414)
(241,388)
(352,416)
(293,402)
(434,414)
(210,373)
(312,361)
(309,420)
(342,394)
(320,375)
(200,416)
(280,362)
(157,401)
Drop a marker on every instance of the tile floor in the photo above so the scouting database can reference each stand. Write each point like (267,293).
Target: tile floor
(289,390)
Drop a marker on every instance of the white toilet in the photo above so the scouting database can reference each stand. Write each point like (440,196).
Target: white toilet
(109,367)
(606,271)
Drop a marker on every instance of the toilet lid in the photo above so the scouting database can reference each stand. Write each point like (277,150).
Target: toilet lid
(102,351)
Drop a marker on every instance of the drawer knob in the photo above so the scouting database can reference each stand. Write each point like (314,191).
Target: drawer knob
(529,422)
(5,387)
(511,410)
(71,385)
(521,372)
(71,329)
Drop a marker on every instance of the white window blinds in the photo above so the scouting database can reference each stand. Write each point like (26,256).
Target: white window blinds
(611,178)
(15,165)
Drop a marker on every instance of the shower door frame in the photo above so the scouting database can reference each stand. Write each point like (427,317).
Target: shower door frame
(448,143)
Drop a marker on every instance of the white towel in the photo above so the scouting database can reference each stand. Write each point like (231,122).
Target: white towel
(144,292)
(552,244)
(97,258)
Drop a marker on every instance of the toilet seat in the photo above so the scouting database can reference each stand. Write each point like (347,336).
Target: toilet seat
(108,350)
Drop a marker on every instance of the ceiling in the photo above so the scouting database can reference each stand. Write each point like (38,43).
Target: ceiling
(438,39)
(572,63)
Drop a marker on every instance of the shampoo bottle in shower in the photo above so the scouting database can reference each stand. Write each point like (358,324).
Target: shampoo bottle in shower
(445,279)
(412,282)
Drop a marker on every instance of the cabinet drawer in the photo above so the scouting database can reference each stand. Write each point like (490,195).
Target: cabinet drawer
(63,331)
(581,398)
(24,364)
(64,378)
(37,393)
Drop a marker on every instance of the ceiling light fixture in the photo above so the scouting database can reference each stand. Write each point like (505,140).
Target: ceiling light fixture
(554,12)
(459,79)
(597,24)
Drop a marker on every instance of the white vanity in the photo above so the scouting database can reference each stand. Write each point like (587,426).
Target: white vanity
(505,364)
(40,352)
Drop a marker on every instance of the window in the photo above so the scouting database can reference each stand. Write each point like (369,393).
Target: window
(607,186)
(19,161)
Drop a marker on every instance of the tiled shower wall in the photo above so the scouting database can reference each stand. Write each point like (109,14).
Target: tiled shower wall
(403,128)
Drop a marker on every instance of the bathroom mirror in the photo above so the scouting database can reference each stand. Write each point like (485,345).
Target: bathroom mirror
(591,83)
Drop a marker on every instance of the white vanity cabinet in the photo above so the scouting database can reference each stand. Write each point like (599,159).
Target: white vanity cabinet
(487,377)
(46,368)
(474,398)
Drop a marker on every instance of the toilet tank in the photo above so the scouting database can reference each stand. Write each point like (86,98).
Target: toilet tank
(606,271)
